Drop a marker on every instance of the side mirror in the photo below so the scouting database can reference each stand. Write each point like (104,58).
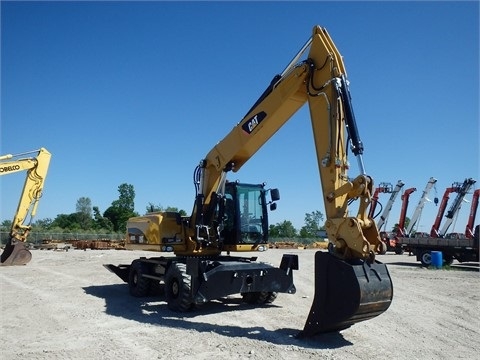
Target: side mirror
(273,206)
(275,194)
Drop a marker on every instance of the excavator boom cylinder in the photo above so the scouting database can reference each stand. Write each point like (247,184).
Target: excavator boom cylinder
(346,293)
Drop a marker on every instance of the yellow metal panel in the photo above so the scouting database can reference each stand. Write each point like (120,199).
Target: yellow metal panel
(154,229)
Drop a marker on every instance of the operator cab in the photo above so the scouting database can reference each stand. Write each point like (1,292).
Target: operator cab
(245,215)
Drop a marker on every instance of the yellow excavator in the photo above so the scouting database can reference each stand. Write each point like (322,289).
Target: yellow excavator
(15,251)
(350,284)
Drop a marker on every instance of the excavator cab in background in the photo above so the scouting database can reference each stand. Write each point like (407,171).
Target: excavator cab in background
(350,284)
(16,251)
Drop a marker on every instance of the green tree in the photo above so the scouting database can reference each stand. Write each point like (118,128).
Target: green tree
(123,208)
(79,220)
(84,221)
(100,222)
(285,229)
(84,205)
(84,213)
(126,199)
(44,223)
(6,225)
(312,225)
(66,221)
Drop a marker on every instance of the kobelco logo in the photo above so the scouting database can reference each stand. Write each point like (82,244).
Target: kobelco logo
(9,168)
(253,122)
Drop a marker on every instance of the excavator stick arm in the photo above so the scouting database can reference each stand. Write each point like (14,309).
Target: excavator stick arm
(36,167)
(350,285)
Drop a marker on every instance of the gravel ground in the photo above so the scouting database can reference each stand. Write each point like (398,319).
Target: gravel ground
(66,305)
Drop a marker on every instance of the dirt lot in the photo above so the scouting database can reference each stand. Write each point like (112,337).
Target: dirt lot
(66,305)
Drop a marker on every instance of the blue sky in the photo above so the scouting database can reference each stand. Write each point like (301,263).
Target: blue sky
(139,93)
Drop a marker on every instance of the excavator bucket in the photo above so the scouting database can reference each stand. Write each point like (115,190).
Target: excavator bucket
(346,294)
(15,253)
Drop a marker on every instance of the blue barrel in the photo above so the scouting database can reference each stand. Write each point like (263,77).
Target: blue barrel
(437,259)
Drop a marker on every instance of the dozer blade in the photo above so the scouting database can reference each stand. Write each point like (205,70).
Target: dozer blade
(15,253)
(346,294)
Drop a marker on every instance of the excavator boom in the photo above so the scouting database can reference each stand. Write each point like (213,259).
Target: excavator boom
(403,212)
(381,188)
(388,207)
(434,232)
(350,285)
(421,203)
(456,205)
(461,190)
(36,167)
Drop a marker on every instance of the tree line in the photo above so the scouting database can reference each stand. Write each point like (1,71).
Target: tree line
(89,219)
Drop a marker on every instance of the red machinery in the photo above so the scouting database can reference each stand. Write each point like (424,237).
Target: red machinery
(461,190)
(384,187)
(473,213)
(401,223)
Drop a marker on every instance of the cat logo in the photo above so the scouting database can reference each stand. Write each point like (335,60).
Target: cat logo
(250,125)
